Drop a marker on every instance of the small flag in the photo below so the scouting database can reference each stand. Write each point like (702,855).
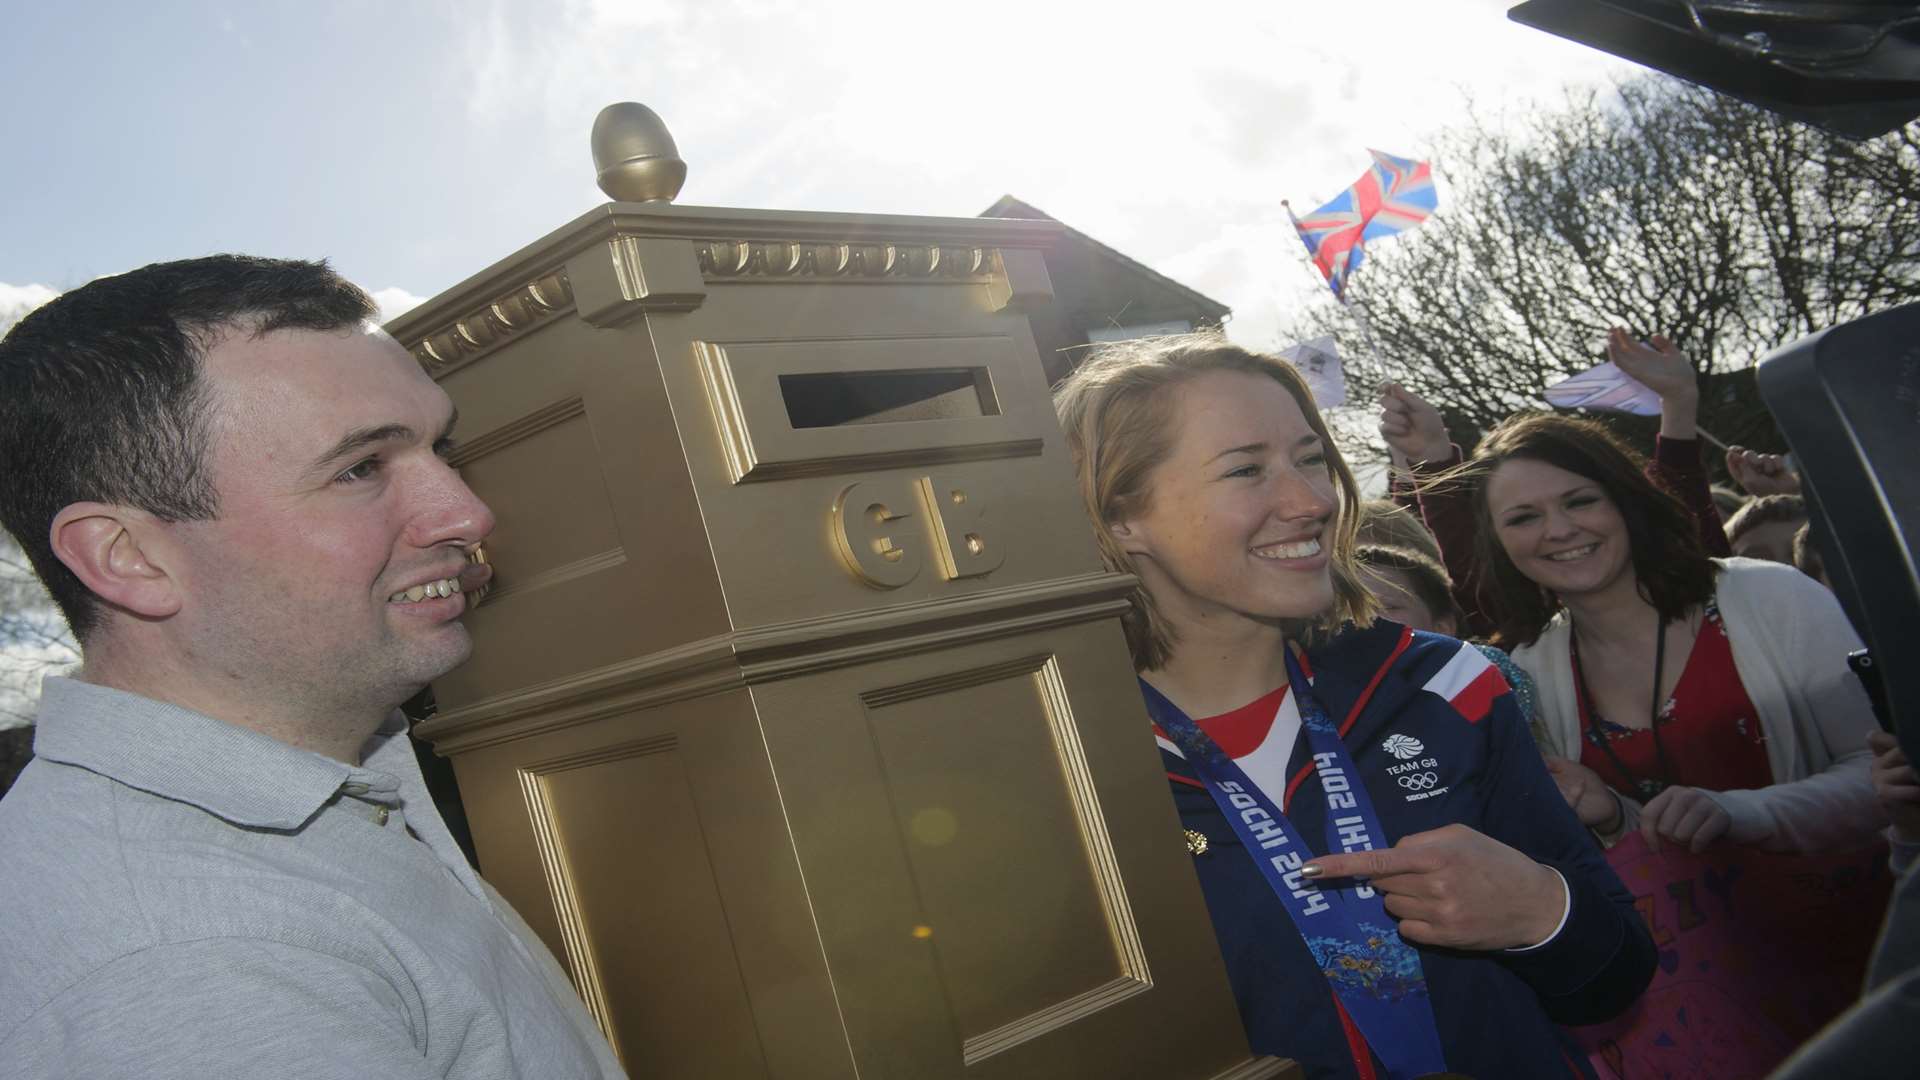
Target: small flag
(1318,362)
(1604,386)
(1394,195)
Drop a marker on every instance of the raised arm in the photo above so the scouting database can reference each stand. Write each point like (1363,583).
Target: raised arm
(1416,435)
(1675,464)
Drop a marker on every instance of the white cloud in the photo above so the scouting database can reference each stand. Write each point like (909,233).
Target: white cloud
(395,302)
(1170,135)
(17,300)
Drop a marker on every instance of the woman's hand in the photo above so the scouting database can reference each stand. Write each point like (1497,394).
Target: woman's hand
(1687,816)
(1459,888)
(1659,366)
(1896,786)
(1592,801)
(1761,474)
(1413,428)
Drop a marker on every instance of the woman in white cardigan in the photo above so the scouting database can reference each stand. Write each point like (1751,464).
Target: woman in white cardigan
(1695,699)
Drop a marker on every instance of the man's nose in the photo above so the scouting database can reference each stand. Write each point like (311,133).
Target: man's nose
(448,512)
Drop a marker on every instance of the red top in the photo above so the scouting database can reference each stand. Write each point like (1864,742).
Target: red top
(1242,730)
(1708,728)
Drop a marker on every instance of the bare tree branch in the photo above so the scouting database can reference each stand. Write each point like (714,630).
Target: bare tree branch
(1659,206)
(34,638)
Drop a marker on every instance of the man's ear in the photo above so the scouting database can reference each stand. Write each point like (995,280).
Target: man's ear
(115,551)
(1446,624)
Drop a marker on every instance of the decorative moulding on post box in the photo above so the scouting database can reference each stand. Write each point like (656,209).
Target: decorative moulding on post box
(790,260)
(1023,283)
(623,258)
(472,336)
(631,275)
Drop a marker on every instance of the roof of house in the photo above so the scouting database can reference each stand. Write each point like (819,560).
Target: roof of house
(1100,285)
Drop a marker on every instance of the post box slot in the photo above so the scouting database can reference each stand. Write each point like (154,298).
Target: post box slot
(822,399)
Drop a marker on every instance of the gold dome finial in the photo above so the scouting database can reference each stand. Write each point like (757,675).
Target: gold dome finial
(634,156)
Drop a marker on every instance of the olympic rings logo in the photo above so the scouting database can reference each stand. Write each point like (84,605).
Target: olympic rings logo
(1419,781)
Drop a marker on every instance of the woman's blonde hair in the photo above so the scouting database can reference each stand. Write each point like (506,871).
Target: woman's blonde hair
(1118,413)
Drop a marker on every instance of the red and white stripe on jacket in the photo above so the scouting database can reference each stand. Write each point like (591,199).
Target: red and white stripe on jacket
(1261,750)
(1469,682)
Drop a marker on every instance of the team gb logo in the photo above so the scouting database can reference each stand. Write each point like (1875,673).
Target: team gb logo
(1403,746)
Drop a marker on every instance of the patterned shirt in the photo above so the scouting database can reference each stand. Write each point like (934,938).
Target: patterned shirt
(1710,734)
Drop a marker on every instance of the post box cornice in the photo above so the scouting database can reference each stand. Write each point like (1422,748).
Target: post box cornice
(761,654)
(530,286)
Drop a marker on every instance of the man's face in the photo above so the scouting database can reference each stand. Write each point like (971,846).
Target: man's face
(335,500)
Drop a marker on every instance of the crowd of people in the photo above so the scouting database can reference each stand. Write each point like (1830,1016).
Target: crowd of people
(1419,746)
(1667,676)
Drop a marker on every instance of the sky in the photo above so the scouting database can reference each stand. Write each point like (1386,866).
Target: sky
(415,142)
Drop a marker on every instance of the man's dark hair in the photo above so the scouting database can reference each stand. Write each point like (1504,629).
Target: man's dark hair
(101,398)
(1766,510)
(1673,570)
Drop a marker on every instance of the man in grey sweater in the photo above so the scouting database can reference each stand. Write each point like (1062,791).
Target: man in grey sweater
(222,861)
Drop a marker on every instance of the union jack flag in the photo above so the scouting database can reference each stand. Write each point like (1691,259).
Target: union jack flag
(1394,195)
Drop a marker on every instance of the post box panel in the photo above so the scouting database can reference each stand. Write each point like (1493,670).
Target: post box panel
(566,433)
(650,851)
(967,801)
(614,881)
(816,518)
(543,470)
(999,882)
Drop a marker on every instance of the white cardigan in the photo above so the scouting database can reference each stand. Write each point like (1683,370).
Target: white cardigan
(1790,641)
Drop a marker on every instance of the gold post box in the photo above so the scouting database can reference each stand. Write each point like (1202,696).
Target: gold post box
(799,722)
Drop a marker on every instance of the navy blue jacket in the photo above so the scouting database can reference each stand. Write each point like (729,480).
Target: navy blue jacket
(1496,1011)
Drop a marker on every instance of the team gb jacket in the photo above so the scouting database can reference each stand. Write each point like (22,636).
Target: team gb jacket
(1437,739)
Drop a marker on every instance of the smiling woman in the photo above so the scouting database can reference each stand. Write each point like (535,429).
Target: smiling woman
(1698,699)
(1371,921)
(1702,704)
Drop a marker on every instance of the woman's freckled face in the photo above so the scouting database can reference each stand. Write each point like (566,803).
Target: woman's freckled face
(1235,516)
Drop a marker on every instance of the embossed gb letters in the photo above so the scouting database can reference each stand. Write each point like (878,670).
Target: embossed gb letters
(879,541)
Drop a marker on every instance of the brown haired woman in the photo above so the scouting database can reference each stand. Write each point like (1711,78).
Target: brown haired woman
(1701,698)
(1416,436)
(1702,701)
(1306,744)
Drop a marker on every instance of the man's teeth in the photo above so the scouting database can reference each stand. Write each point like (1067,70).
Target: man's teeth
(1301,550)
(430,591)
(1576,553)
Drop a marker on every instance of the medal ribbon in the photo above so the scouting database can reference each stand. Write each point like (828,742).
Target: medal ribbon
(1355,943)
